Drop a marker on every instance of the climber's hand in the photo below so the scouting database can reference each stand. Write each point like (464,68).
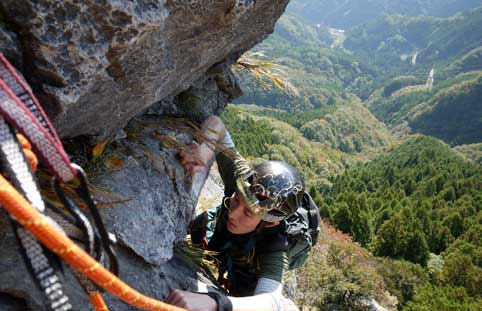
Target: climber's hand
(196,157)
(191,301)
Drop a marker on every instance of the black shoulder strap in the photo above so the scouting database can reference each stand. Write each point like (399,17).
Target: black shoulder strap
(272,240)
(313,217)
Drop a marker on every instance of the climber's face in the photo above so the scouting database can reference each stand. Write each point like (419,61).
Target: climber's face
(240,218)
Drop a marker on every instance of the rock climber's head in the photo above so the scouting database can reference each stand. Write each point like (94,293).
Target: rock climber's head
(271,192)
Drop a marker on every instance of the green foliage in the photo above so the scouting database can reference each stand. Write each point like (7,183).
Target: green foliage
(463,264)
(402,278)
(398,83)
(451,110)
(421,204)
(242,133)
(390,37)
(433,39)
(346,14)
(455,114)
(321,74)
(422,198)
(420,195)
(298,119)
(350,128)
(293,29)
(443,298)
(337,273)
(326,65)
(472,152)
(265,138)
(469,62)
(401,237)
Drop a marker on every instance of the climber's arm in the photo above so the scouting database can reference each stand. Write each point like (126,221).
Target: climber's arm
(197,156)
(216,141)
(268,297)
(268,293)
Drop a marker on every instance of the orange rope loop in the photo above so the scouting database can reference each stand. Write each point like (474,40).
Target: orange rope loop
(15,204)
(98,302)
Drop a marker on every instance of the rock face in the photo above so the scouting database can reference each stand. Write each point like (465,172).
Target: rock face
(94,66)
(159,204)
(100,63)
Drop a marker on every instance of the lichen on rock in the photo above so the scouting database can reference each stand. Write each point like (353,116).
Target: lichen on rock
(102,63)
(96,65)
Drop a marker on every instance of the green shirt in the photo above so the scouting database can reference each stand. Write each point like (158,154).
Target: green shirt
(241,256)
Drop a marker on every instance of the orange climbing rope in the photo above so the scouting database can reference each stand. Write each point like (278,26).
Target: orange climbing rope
(98,302)
(15,204)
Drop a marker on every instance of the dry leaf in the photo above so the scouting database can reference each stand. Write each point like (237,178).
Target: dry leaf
(99,149)
(114,162)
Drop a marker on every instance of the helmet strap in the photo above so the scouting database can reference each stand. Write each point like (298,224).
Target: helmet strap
(259,228)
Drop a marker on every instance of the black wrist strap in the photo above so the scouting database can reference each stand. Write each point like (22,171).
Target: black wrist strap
(223,302)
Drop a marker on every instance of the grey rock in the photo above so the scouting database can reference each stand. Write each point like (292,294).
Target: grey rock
(9,46)
(12,303)
(213,191)
(100,63)
(208,96)
(161,204)
(97,64)
(369,303)
(19,293)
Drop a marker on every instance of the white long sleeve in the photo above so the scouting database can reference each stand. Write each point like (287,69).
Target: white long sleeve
(268,296)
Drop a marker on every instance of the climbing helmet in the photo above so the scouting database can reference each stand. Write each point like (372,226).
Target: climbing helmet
(273,190)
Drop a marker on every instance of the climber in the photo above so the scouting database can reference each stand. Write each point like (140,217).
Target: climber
(246,229)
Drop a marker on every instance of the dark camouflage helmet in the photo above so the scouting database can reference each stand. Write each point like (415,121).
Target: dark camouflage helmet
(273,190)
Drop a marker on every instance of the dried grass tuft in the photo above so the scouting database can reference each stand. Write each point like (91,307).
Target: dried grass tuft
(267,72)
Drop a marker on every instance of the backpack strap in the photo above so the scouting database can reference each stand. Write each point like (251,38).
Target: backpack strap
(273,239)
(313,217)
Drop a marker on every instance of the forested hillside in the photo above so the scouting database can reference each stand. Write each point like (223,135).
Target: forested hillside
(387,127)
(422,202)
(350,128)
(348,13)
(323,73)
(393,40)
(349,138)
(261,138)
(451,110)
(421,199)
(327,65)
(473,152)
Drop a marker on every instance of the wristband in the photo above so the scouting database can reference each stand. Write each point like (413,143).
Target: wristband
(222,301)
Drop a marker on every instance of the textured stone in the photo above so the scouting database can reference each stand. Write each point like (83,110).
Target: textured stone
(161,198)
(213,191)
(9,46)
(99,63)
(161,204)
(11,303)
(19,293)
(208,96)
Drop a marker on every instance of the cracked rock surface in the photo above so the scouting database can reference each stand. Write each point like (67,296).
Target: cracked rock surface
(160,199)
(97,64)
(159,202)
